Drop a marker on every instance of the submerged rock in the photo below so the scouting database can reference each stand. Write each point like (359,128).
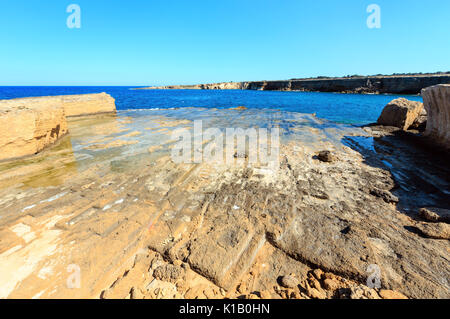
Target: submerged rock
(401,113)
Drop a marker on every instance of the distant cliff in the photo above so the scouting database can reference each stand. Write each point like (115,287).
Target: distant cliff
(396,84)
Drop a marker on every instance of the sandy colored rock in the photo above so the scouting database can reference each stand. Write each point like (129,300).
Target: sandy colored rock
(400,113)
(288,281)
(318,273)
(29,125)
(88,104)
(330,284)
(326,156)
(436,100)
(168,273)
(363,292)
(433,214)
(391,294)
(435,230)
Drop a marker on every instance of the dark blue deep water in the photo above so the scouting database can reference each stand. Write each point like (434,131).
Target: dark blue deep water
(342,108)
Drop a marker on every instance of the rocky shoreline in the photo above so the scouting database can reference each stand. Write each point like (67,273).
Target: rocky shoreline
(398,84)
(334,219)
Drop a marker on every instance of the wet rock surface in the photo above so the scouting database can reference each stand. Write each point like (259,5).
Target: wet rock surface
(137,225)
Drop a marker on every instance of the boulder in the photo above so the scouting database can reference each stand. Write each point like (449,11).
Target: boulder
(400,113)
(437,103)
(29,125)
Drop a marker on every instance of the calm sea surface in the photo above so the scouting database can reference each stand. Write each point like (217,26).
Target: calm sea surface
(341,108)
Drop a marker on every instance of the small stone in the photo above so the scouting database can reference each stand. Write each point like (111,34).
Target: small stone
(288,281)
(435,230)
(295,295)
(177,263)
(330,284)
(168,273)
(318,273)
(326,156)
(316,294)
(428,215)
(242,288)
(315,283)
(329,275)
(391,294)
(385,195)
(135,293)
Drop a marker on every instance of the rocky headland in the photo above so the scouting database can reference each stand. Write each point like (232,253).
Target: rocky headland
(379,84)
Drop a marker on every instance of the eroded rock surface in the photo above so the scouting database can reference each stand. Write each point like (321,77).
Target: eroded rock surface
(137,225)
(437,103)
(29,125)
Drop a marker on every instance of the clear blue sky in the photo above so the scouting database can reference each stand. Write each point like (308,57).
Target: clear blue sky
(148,42)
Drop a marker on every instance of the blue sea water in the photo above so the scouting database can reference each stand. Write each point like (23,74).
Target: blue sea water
(340,108)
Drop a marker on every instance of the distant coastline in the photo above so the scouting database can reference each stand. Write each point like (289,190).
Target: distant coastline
(375,84)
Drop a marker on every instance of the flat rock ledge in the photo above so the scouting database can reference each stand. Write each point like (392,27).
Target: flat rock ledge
(437,103)
(88,104)
(28,125)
